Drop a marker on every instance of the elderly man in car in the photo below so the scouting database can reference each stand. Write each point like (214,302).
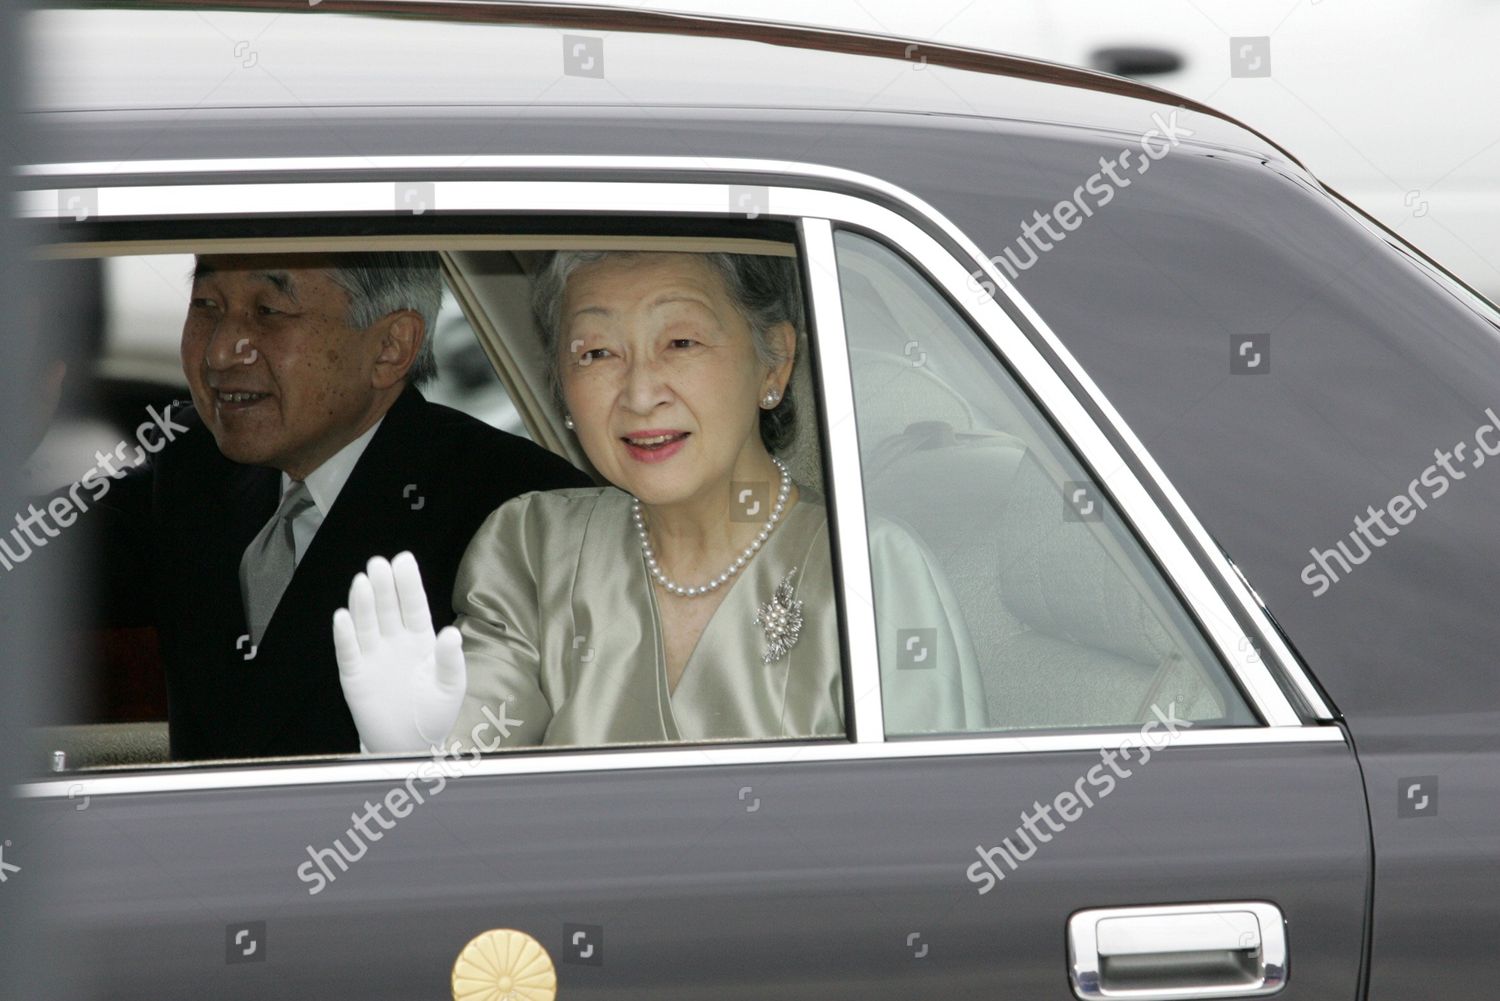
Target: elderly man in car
(307,449)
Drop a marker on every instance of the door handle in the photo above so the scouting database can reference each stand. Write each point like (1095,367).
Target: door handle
(1178,952)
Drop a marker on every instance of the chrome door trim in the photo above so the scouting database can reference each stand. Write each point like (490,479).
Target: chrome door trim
(358,769)
(173,200)
(825,308)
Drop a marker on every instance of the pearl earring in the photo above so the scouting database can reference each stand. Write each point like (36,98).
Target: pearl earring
(568,422)
(770,399)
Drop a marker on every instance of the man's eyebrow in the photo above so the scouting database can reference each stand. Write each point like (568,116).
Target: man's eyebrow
(280,280)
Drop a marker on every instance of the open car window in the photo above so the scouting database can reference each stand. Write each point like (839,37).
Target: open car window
(490,366)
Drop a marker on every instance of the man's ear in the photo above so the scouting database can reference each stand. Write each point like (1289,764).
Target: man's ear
(401,335)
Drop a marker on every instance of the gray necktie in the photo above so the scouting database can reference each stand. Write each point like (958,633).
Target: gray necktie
(266,568)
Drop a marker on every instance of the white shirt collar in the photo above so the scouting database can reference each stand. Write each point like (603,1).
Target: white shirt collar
(325,482)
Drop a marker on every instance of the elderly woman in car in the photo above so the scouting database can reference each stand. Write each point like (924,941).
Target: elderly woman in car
(691,599)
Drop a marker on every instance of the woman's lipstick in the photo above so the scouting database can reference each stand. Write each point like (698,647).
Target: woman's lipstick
(654,444)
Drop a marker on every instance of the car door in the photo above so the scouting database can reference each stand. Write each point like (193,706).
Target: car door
(955,447)
(1230,853)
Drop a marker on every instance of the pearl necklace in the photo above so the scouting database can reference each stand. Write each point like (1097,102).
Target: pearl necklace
(739,561)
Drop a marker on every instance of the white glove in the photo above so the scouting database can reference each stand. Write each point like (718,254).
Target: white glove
(404,686)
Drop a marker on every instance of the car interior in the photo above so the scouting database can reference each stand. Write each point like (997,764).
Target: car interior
(1071,623)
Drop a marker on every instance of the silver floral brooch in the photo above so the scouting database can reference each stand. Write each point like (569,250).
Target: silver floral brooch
(781,618)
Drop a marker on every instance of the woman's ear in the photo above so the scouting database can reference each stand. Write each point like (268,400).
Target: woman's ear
(783,337)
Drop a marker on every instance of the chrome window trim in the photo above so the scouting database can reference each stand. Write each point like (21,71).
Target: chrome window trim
(358,770)
(43,203)
(813,209)
(826,311)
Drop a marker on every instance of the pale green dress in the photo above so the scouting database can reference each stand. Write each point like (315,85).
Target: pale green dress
(563,646)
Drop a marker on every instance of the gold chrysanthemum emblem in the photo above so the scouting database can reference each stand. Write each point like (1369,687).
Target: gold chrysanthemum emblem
(504,965)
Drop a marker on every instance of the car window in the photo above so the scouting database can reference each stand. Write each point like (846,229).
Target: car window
(771,652)
(996,557)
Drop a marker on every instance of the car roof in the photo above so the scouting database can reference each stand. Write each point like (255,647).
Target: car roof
(189,59)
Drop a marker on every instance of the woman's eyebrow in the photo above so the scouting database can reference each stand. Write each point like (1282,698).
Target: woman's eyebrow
(676,296)
(663,300)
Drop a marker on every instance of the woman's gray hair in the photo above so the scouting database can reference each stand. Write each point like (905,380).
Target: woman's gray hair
(765,290)
(383,283)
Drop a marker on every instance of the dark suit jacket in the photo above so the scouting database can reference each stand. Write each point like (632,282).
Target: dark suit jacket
(173,533)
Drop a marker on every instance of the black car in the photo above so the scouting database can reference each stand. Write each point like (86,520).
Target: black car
(1198,447)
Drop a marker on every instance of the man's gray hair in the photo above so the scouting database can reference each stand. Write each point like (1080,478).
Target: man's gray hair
(765,290)
(381,283)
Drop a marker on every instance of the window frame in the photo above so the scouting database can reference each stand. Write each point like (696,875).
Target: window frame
(815,199)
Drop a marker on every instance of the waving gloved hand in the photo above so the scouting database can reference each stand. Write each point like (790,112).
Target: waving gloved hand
(404,686)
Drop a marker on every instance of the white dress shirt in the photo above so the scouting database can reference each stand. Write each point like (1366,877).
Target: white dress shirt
(324,484)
